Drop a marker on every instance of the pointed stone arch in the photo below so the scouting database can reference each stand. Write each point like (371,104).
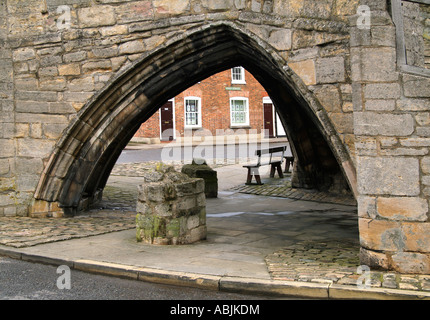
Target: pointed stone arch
(85,155)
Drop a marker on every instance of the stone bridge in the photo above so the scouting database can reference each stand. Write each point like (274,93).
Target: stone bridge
(78,77)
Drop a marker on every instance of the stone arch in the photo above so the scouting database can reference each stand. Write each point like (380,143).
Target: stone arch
(84,157)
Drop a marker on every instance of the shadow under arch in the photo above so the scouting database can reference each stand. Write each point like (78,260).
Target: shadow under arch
(85,155)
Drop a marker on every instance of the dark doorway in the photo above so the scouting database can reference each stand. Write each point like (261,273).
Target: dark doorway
(268,120)
(167,123)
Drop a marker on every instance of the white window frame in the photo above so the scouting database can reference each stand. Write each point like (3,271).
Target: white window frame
(246,124)
(242,76)
(199,113)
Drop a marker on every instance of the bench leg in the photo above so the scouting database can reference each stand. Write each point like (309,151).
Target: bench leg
(272,171)
(289,161)
(257,178)
(249,178)
(253,172)
(287,166)
(278,167)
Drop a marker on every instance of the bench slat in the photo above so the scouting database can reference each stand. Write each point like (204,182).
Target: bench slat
(270,150)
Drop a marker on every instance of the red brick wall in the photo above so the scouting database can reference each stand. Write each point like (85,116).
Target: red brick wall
(215,102)
(150,128)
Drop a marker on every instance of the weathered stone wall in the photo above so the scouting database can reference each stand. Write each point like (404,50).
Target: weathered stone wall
(8,183)
(391,126)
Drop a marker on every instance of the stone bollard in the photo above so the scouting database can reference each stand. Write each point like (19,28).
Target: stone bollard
(199,169)
(171,208)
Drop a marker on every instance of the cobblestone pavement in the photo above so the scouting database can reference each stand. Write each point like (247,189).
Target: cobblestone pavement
(309,260)
(19,232)
(334,261)
(284,189)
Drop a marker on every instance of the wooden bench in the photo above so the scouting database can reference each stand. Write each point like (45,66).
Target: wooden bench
(274,163)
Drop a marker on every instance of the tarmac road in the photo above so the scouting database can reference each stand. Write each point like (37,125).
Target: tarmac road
(21,280)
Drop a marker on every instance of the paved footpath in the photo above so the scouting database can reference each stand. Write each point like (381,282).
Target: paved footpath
(268,239)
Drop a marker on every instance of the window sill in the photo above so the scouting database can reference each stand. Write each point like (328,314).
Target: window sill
(246,126)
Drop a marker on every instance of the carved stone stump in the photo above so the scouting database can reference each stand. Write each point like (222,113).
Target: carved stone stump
(171,208)
(199,169)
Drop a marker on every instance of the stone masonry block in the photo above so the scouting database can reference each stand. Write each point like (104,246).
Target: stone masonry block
(209,176)
(417,236)
(170,6)
(373,124)
(193,222)
(134,11)
(305,70)
(69,69)
(196,234)
(410,262)
(218,4)
(382,91)
(376,64)
(390,175)
(414,104)
(190,188)
(131,47)
(366,207)
(96,16)
(281,39)
(403,208)
(380,235)
(7,148)
(425,165)
(330,70)
(416,87)
(155,192)
(374,259)
(329,97)
(24,54)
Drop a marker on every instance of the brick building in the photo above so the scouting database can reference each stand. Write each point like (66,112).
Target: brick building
(228,101)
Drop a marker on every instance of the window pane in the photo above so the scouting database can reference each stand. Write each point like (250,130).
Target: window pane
(191,112)
(237,74)
(238,111)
